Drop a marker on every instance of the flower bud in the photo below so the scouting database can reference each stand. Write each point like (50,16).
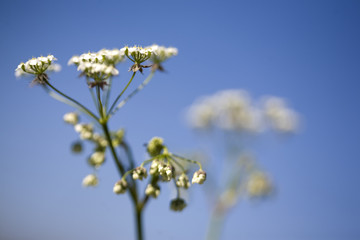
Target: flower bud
(71,118)
(90,180)
(155,146)
(77,147)
(154,168)
(139,173)
(177,204)
(97,159)
(199,177)
(120,186)
(183,181)
(152,190)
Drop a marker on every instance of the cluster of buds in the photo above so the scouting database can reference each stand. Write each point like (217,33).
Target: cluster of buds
(38,67)
(85,130)
(199,177)
(120,186)
(183,181)
(139,173)
(164,167)
(152,190)
(97,159)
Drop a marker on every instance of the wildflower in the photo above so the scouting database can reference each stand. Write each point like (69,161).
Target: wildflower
(99,140)
(155,146)
(98,66)
(183,181)
(280,116)
(152,190)
(154,167)
(199,177)
(120,186)
(139,173)
(177,204)
(85,130)
(112,57)
(137,55)
(166,171)
(71,118)
(97,159)
(38,67)
(90,180)
(160,55)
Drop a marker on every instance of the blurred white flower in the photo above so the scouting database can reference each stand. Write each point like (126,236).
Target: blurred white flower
(71,118)
(90,181)
(281,117)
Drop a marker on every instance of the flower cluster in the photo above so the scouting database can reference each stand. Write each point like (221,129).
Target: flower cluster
(39,67)
(165,167)
(279,115)
(86,132)
(98,66)
(160,55)
(234,110)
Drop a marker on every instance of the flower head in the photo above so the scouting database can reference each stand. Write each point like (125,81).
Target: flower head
(183,181)
(39,67)
(259,185)
(71,118)
(97,159)
(160,55)
(152,190)
(120,186)
(199,177)
(85,130)
(155,146)
(139,173)
(90,181)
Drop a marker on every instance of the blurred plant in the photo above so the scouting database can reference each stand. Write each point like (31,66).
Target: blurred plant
(238,119)
(99,69)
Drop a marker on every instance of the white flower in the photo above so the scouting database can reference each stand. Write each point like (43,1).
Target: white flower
(71,118)
(85,130)
(279,115)
(162,53)
(199,177)
(183,181)
(120,186)
(166,172)
(36,66)
(152,190)
(155,146)
(137,54)
(90,180)
(97,158)
(139,173)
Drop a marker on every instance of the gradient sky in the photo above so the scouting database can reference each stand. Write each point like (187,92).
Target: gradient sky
(304,51)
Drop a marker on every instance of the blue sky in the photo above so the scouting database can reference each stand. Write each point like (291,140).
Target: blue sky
(304,51)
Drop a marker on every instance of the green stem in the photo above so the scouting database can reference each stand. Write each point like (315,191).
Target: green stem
(118,97)
(139,225)
(74,101)
(138,89)
(112,149)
